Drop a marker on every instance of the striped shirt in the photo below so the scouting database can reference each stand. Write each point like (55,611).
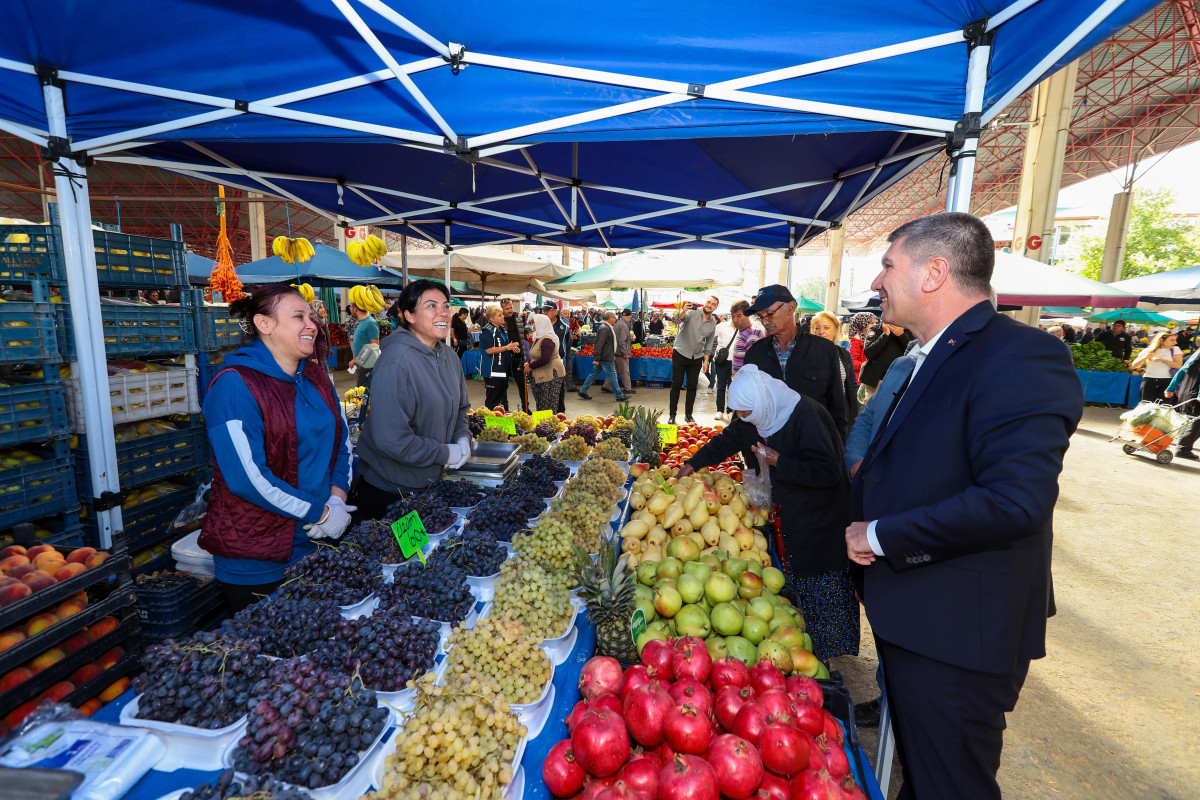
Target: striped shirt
(742,343)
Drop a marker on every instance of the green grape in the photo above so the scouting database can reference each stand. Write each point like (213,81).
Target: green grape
(502,651)
(526,593)
(573,448)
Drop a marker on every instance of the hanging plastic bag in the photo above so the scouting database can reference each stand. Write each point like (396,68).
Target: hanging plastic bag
(758,483)
(192,515)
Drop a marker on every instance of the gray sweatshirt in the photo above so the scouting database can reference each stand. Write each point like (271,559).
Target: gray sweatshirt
(419,405)
(696,337)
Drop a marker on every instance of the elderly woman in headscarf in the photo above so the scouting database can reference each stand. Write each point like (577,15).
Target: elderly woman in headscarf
(860,324)
(545,366)
(795,439)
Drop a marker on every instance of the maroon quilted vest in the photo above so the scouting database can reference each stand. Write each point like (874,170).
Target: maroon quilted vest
(237,528)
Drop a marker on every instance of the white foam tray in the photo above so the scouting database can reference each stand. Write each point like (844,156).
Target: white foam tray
(195,748)
(514,790)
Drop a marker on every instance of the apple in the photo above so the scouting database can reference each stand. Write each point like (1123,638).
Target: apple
(38,623)
(46,659)
(80,555)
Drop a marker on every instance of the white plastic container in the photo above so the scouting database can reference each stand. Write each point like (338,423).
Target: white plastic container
(195,748)
(362,608)
(514,791)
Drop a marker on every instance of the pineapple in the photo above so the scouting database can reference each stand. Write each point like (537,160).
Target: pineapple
(646,445)
(606,585)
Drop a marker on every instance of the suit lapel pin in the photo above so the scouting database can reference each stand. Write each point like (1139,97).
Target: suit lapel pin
(952,343)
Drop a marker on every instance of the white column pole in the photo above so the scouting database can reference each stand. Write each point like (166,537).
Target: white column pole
(958,196)
(837,248)
(70,183)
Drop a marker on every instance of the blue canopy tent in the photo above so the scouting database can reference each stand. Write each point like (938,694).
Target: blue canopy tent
(199,268)
(328,267)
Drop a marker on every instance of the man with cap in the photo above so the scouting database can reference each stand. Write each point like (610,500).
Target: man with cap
(562,329)
(808,364)
(624,351)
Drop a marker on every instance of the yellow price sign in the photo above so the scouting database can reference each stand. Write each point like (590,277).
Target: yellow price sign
(505,424)
(545,413)
(668,434)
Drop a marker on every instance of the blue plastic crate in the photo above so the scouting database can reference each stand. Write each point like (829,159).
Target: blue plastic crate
(150,458)
(160,622)
(32,490)
(132,331)
(139,261)
(30,253)
(145,523)
(32,412)
(27,333)
(209,365)
(216,329)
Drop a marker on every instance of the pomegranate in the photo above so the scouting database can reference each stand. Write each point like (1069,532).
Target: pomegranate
(577,711)
(691,661)
(813,785)
(687,730)
(594,786)
(600,742)
(833,730)
(657,656)
(851,790)
(779,703)
(750,721)
(641,774)
(562,776)
(774,787)
(803,687)
(729,702)
(610,701)
(664,753)
(784,749)
(729,672)
(621,791)
(765,676)
(816,758)
(694,692)
(835,758)
(809,718)
(645,712)
(600,675)
(738,767)
(688,777)
(634,677)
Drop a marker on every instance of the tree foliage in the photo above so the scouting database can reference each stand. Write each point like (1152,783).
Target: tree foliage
(1158,240)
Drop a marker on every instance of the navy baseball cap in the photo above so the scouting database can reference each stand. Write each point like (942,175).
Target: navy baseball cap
(548,306)
(769,296)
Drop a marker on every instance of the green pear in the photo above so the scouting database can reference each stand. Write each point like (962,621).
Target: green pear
(698,570)
(669,568)
(690,588)
(740,648)
(726,619)
(755,630)
(760,607)
(773,579)
(720,588)
(647,573)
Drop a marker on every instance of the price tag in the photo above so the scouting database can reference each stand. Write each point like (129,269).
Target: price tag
(538,416)
(637,624)
(505,424)
(410,535)
(668,434)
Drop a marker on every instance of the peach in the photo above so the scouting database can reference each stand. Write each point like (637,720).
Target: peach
(69,607)
(14,592)
(21,570)
(12,561)
(10,638)
(12,680)
(58,691)
(36,581)
(103,627)
(77,642)
(90,707)
(46,659)
(111,657)
(36,624)
(12,550)
(38,549)
(96,559)
(80,597)
(5,580)
(80,555)
(68,571)
(114,691)
(85,673)
(44,560)
(18,714)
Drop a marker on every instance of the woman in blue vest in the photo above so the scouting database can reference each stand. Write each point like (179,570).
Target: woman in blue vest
(280,447)
(495,354)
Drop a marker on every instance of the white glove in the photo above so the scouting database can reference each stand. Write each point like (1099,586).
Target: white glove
(467,444)
(334,523)
(455,456)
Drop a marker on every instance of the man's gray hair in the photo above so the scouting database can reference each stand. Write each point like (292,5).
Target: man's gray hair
(962,239)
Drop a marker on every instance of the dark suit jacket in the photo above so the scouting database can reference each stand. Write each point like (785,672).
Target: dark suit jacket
(963,482)
(812,370)
(605,348)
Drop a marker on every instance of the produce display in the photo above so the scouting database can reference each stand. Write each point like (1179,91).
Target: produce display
(436,591)
(203,681)
(308,726)
(491,434)
(638,352)
(1094,356)
(343,575)
(612,447)
(375,539)
(386,649)
(286,627)
(229,787)
(453,745)
(531,444)
(583,429)
(525,593)
(459,494)
(646,446)
(553,469)
(23,572)
(683,725)
(547,543)
(573,448)
(497,659)
(607,587)
(474,552)
(430,505)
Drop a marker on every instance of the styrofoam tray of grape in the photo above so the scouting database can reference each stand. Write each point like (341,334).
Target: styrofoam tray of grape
(402,701)
(197,748)
(553,647)
(362,608)
(390,569)
(515,789)
(536,712)
(353,784)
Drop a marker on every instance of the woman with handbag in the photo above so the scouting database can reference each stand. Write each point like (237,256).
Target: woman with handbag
(495,356)
(545,367)
(723,363)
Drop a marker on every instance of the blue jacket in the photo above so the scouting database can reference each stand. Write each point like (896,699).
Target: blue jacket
(493,364)
(235,430)
(963,481)
(870,417)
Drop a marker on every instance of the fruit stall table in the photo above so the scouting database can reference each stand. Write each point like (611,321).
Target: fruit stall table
(640,369)
(1110,388)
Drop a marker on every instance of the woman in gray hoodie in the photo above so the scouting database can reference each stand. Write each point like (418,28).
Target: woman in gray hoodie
(418,418)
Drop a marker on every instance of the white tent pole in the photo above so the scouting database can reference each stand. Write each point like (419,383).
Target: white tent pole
(23,132)
(996,20)
(958,195)
(407,26)
(273,187)
(90,368)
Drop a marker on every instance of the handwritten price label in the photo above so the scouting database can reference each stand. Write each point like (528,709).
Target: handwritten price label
(503,423)
(668,434)
(538,416)
(410,535)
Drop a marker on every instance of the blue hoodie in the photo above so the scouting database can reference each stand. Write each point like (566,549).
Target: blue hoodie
(235,429)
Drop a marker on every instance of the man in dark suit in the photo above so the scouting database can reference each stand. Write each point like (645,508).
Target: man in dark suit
(808,364)
(954,498)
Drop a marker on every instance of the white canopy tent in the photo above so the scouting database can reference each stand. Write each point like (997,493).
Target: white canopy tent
(477,266)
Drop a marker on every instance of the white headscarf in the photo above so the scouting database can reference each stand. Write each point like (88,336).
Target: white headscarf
(542,326)
(769,400)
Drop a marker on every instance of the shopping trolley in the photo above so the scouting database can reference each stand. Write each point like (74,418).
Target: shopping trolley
(1151,427)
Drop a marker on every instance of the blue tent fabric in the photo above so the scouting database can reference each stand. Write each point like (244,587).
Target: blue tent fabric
(328,266)
(199,268)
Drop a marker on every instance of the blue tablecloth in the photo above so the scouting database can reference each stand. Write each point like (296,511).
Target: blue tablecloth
(1135,391)
(470,362)
(640,369)
(1111,388)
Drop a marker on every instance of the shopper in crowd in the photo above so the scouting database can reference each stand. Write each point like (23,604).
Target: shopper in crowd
(860,325)
(515,327)
(1057,332)
(806,363)
(694,345)
(953,506)
(889,343)
(281,451)
(1185,340)
(639,329)
(495,356)
(366,332)
(1183,389)
(545,369)
(1068,333)
(562,329)
(826,326)
(722,363)
(795,439)
(656,324)
(419,405)
(1117,340)
(604,355)
(460,332)
(624,339)
(749,331)
(1160,358)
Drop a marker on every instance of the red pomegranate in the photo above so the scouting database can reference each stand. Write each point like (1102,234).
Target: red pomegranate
(687,690)
(561,774)
(832,730)
(765,676)
(803,687)
(813,785)
(729,702)
(750,721)
(594,786)
(784,749)
(738,767)
(774,787)
(691,660)
(779,703)
(621,791)
(634,677)
(809,718)
(688,777)
(729,672)
(610,701)
(657,656)
(645,711)
(641,774)
(600,675)
(687,730)
(600,742)
(836,762)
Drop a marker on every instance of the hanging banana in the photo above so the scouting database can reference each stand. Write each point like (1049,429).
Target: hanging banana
(302,249)
(368,298)
(306,291)
(375,248)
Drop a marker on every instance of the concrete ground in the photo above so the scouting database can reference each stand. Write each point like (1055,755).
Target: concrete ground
(1113,711)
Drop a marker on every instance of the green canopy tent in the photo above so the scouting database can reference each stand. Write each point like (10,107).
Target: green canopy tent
(807,306)
(1131,315)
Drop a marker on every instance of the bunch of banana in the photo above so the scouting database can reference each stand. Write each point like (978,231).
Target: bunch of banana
(292,251)
(368,298)
(306,291)
(356,392)
(366,252)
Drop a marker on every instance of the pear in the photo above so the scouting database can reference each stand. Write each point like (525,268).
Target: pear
(672,515)
(711,532)
(699,516)
(637,500)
